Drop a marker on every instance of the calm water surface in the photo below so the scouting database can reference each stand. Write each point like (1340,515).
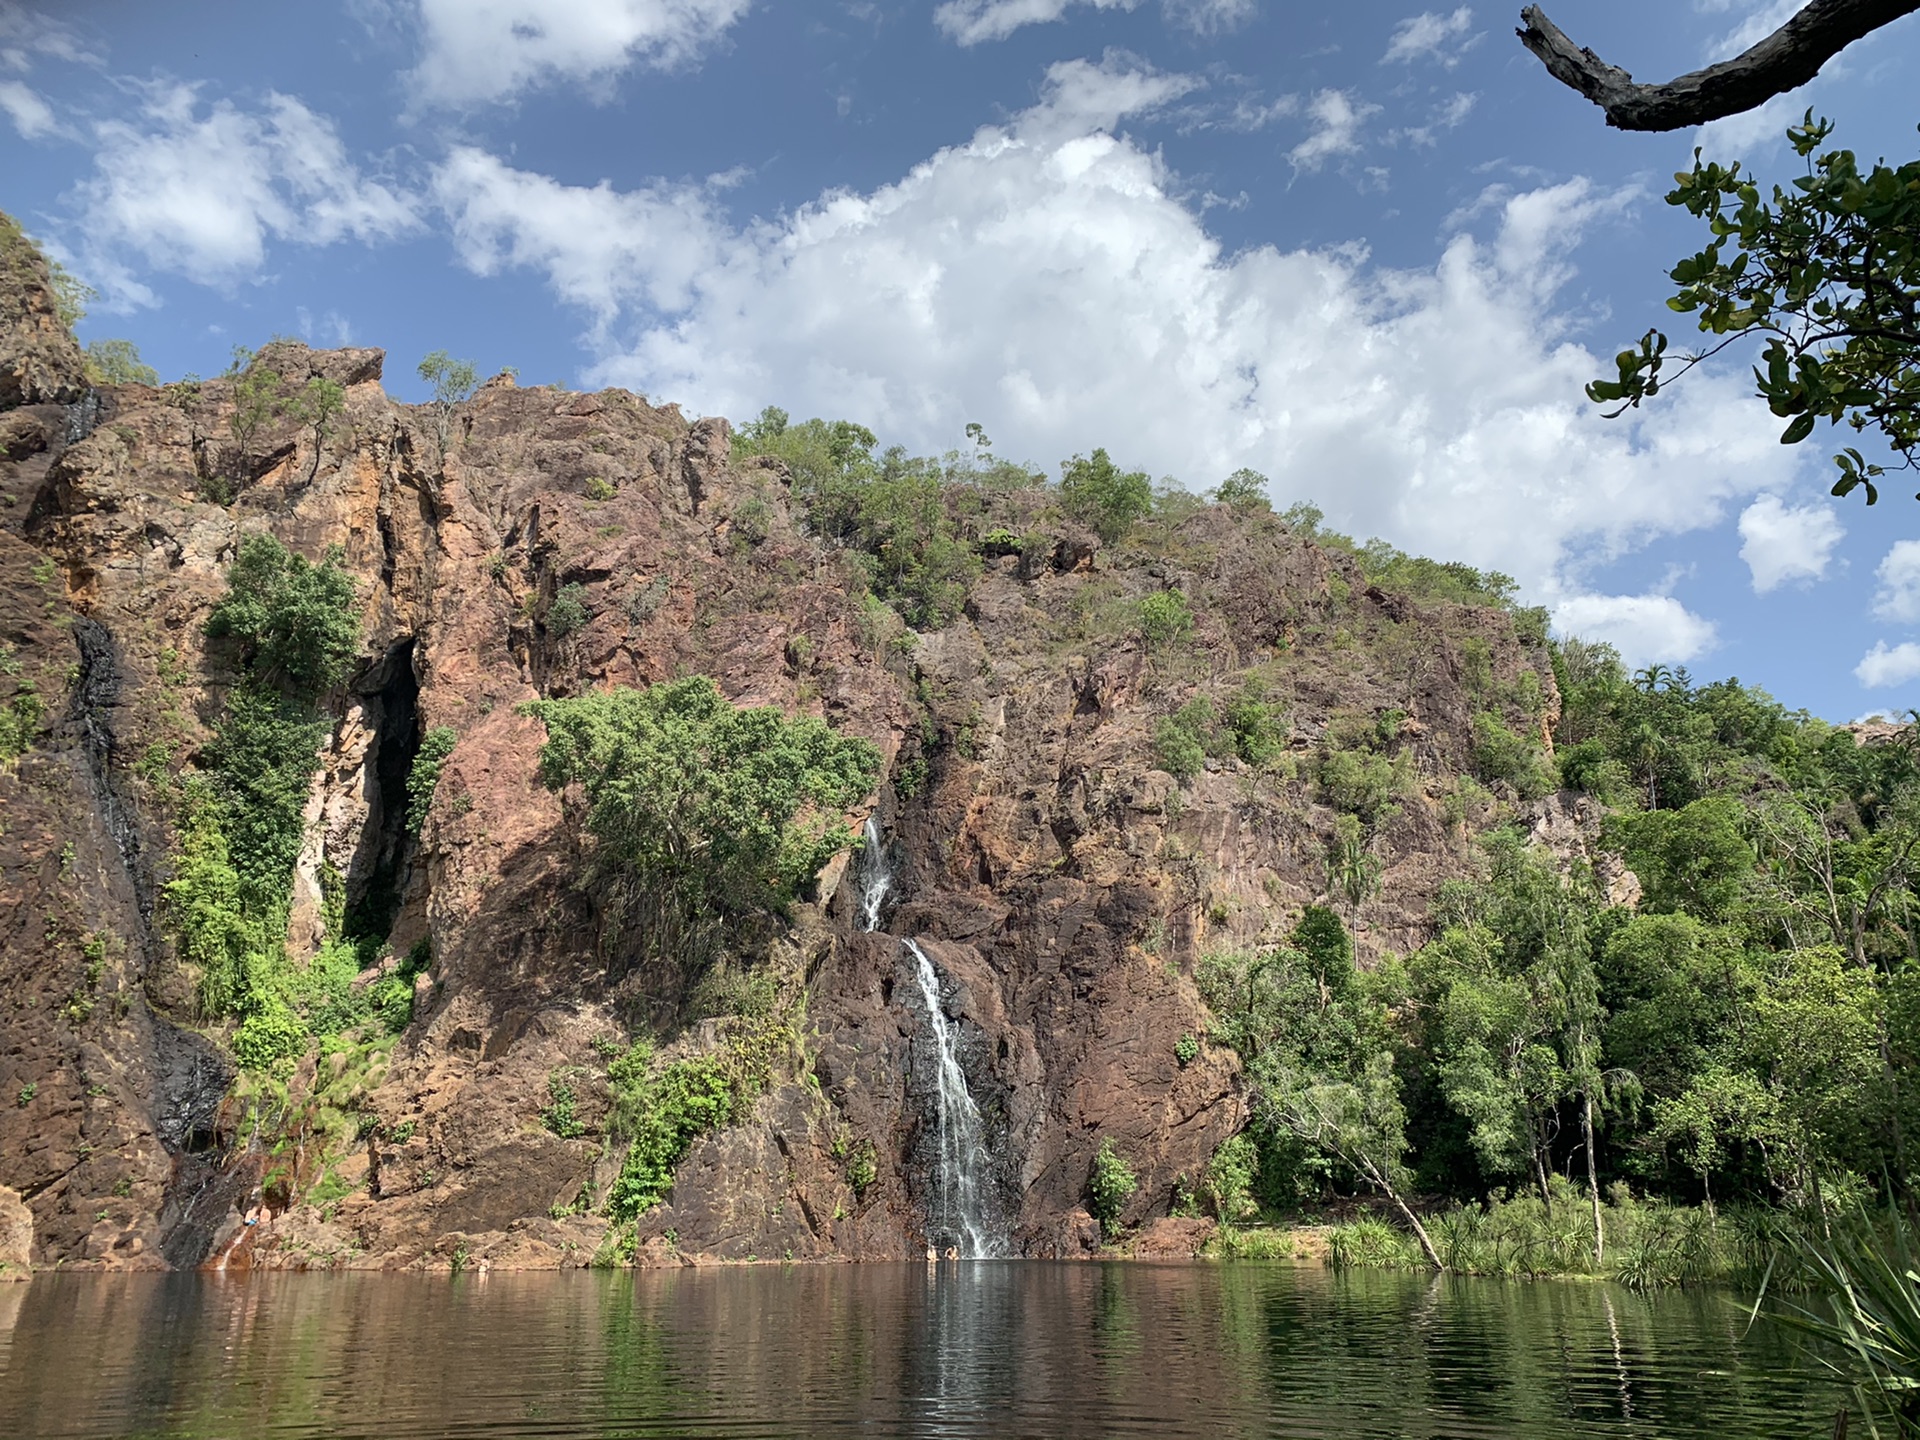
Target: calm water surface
(979,1349)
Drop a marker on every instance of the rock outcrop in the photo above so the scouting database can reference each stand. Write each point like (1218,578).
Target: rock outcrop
(16,1237)
(1063,885)
(40,361)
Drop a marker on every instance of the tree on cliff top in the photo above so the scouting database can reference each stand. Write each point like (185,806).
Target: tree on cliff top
(1102,496)
(706,814)
(453,382)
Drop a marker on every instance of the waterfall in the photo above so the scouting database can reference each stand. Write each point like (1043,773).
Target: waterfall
(876,878)
(958,1211)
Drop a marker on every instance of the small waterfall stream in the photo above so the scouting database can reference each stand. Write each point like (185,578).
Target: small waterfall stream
(958,1217)
(876,878)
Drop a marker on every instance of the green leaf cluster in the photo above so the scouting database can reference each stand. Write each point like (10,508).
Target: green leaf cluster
(1103,497)
(1166,619)
(892,510)
(423,778)
(453,382)
(1181,740)
(1362,771)
(709,812)
(240,819)
(294,621)
(118,362)
(1109,1187)
(1256,726)
(569,611)
(20,721)
(661,1112)
(1826,274)
(1501,755)
(1244,490)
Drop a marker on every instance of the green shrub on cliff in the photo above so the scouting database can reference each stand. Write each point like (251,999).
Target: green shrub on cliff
(1182,741)
(663,1114)
(118,362)
(1258,727)
(1110,1187)
(20,721)
(1500,754)
(294,620)
(891,510)
(689,1098)
(704,814)
(1246,491)
(241,818)
(424,777)
(1103,497)
(1165,619)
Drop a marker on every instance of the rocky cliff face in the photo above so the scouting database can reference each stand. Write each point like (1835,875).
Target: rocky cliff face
(1063,885)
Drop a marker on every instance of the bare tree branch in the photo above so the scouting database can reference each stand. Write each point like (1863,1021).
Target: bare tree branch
(1785,60)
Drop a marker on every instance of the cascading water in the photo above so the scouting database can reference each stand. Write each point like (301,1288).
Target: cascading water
(876,878)
(958,1217)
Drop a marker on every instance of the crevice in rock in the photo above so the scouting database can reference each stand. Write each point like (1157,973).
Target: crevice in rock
(382,862)
(389,545)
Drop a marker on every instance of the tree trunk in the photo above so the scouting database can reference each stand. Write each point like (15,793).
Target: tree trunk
(1386,1187)
(1593,1178)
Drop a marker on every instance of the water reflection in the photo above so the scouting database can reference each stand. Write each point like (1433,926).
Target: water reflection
(968,1349)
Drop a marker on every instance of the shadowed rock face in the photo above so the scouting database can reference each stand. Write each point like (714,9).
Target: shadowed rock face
(1062,885)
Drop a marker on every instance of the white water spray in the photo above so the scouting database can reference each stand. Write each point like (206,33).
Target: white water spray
(876,880)
(960,1180)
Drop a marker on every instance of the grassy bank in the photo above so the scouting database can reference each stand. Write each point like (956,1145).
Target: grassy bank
(1646,1244)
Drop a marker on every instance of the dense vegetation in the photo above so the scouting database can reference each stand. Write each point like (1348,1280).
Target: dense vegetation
(291,631)
(1745,1036)
(706,817)
(917,527)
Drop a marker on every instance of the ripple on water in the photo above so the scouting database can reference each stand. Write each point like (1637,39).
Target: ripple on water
(1003,1349)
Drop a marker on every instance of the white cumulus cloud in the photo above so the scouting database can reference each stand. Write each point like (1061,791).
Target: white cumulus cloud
(1210,17)
(1886,665)
(1898,594)
(601,249)
(1337,118)
(201,189)
(1782,543)
(1051,279)
(481,50)
(1431,36)
(1449,115)
(1644,628)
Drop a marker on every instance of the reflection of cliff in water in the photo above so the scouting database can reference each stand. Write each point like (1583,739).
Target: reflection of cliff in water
(885,1351)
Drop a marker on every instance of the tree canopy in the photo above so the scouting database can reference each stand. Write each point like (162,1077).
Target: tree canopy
(1825,273)
(702,811)
(294,620)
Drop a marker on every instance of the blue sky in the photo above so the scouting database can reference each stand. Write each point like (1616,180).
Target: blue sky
(1370,250)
